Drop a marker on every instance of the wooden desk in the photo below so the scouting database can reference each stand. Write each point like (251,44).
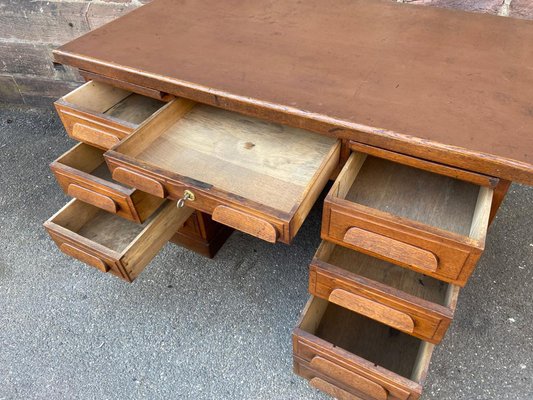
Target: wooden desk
(443,85)
(422,116)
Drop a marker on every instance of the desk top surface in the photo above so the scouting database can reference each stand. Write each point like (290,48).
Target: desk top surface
(444,85)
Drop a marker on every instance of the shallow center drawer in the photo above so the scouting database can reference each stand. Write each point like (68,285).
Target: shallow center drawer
(111,243)
(401,298)
(433,223)
(82,173)
(101,115)
(258,177)
(341,349)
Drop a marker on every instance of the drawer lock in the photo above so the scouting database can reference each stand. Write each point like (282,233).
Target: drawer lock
(187,195)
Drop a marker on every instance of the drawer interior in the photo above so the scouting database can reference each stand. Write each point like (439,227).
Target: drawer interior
(389,348)
(267,163)
(111,243)
(88,159)
(96,225)
(406,280)
(436,200)
(100,98)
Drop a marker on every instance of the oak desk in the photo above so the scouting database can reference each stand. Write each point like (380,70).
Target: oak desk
(242,111)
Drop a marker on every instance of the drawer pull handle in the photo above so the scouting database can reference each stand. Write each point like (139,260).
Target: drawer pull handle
(246,223)
(372,309)
(139,181)
(391,249)
(83,256)
(96,199)
(332,390)
(95,136)
(348,378)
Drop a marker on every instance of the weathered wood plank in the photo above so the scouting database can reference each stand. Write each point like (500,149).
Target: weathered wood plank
(41,92)
(99,14)
(33,59)
(29,31)
(42,21)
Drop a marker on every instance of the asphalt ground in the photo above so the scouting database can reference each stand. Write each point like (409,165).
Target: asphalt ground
(194,328)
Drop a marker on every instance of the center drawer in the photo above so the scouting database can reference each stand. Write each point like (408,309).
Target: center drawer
(399,297)
(101,115)
(258,177)
(351,356)
(430,222)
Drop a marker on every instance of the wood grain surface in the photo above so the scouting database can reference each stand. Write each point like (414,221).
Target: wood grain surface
(439,84)
(415,194)
(269,163)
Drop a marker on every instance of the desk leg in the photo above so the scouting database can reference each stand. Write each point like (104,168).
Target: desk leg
(499,194)
(202,235)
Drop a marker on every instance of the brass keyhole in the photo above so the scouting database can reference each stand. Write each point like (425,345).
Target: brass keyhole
(187,195)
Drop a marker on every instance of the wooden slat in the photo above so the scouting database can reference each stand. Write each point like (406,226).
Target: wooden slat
(441,169)
(155,94)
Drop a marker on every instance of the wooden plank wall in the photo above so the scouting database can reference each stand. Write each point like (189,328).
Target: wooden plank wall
(29,30)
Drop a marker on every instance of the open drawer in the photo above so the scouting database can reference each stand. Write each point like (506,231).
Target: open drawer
(432,223)
(82,173)
(258,177)
(110,243)
(350,356)
(101,115)
(411,302)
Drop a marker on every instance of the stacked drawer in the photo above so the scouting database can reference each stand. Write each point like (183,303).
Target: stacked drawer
(145,166)
(401,236)
(110,225)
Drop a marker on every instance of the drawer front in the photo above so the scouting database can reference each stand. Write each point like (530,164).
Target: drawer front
(234,214)
(390,239)
(95,193)
(326,383)
(86,254)
(356,374)
(233,166)
(417,317)
(102,114)
(112,244)
(91,129)
(126,202)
